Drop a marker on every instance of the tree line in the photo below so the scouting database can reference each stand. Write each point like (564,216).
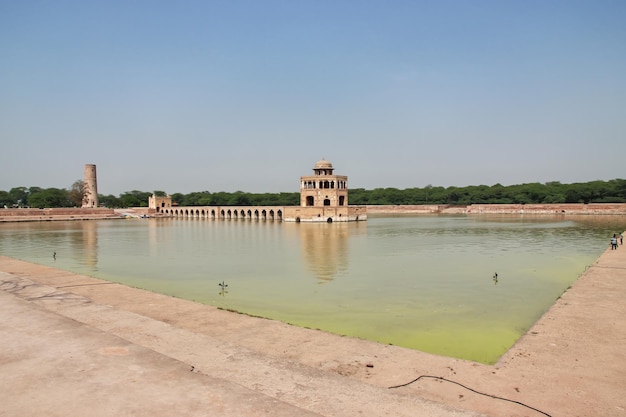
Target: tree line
(612,191)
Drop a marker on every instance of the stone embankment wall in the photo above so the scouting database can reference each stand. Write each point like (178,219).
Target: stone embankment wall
(593,208)
(33,214)
(49,214)
(406,209)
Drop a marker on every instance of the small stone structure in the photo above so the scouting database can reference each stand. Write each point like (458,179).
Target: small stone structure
(159,203)
(90,197)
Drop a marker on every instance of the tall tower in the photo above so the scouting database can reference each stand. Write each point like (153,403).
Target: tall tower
(90,198)
(323,188)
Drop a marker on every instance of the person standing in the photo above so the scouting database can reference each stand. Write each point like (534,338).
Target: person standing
(614,242)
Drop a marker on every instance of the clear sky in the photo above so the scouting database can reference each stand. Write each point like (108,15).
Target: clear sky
(185,96)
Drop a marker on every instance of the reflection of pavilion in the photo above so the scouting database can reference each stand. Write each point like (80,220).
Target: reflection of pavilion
(325,248)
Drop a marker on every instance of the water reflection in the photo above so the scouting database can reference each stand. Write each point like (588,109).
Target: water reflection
(89,242)
(325,250)
(325,247)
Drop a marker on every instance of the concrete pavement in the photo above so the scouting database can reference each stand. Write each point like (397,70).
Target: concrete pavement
(51,365)
(62,355)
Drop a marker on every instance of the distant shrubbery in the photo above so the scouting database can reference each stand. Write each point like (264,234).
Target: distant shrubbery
(238,198)
(613,191)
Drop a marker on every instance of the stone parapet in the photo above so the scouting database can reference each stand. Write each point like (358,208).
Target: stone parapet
(47,214)
(593,208)
(412,209)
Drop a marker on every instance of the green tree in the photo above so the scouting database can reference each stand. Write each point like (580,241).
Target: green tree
(19,195)
(239,198)
(454,195)
(50,198)
(289,199)
(358,196)
(109,201)
(77,193)
(134,199)
(5,200)
(438,195)
(220,199)
(378,196)
(196,199)
(177,199)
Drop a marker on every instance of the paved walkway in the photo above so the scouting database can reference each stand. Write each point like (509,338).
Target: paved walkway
(74,345)
(62,355)
(51,365)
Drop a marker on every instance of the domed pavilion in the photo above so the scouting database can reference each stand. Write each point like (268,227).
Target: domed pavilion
(324,198)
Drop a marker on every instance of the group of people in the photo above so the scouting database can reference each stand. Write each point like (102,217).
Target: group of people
(614,240)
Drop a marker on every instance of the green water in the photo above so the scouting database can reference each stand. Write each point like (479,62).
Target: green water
(422,282)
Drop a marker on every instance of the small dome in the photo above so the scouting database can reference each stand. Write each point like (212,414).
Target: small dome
(323,164)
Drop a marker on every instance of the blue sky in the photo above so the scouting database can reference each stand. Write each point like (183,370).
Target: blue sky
(248,95)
